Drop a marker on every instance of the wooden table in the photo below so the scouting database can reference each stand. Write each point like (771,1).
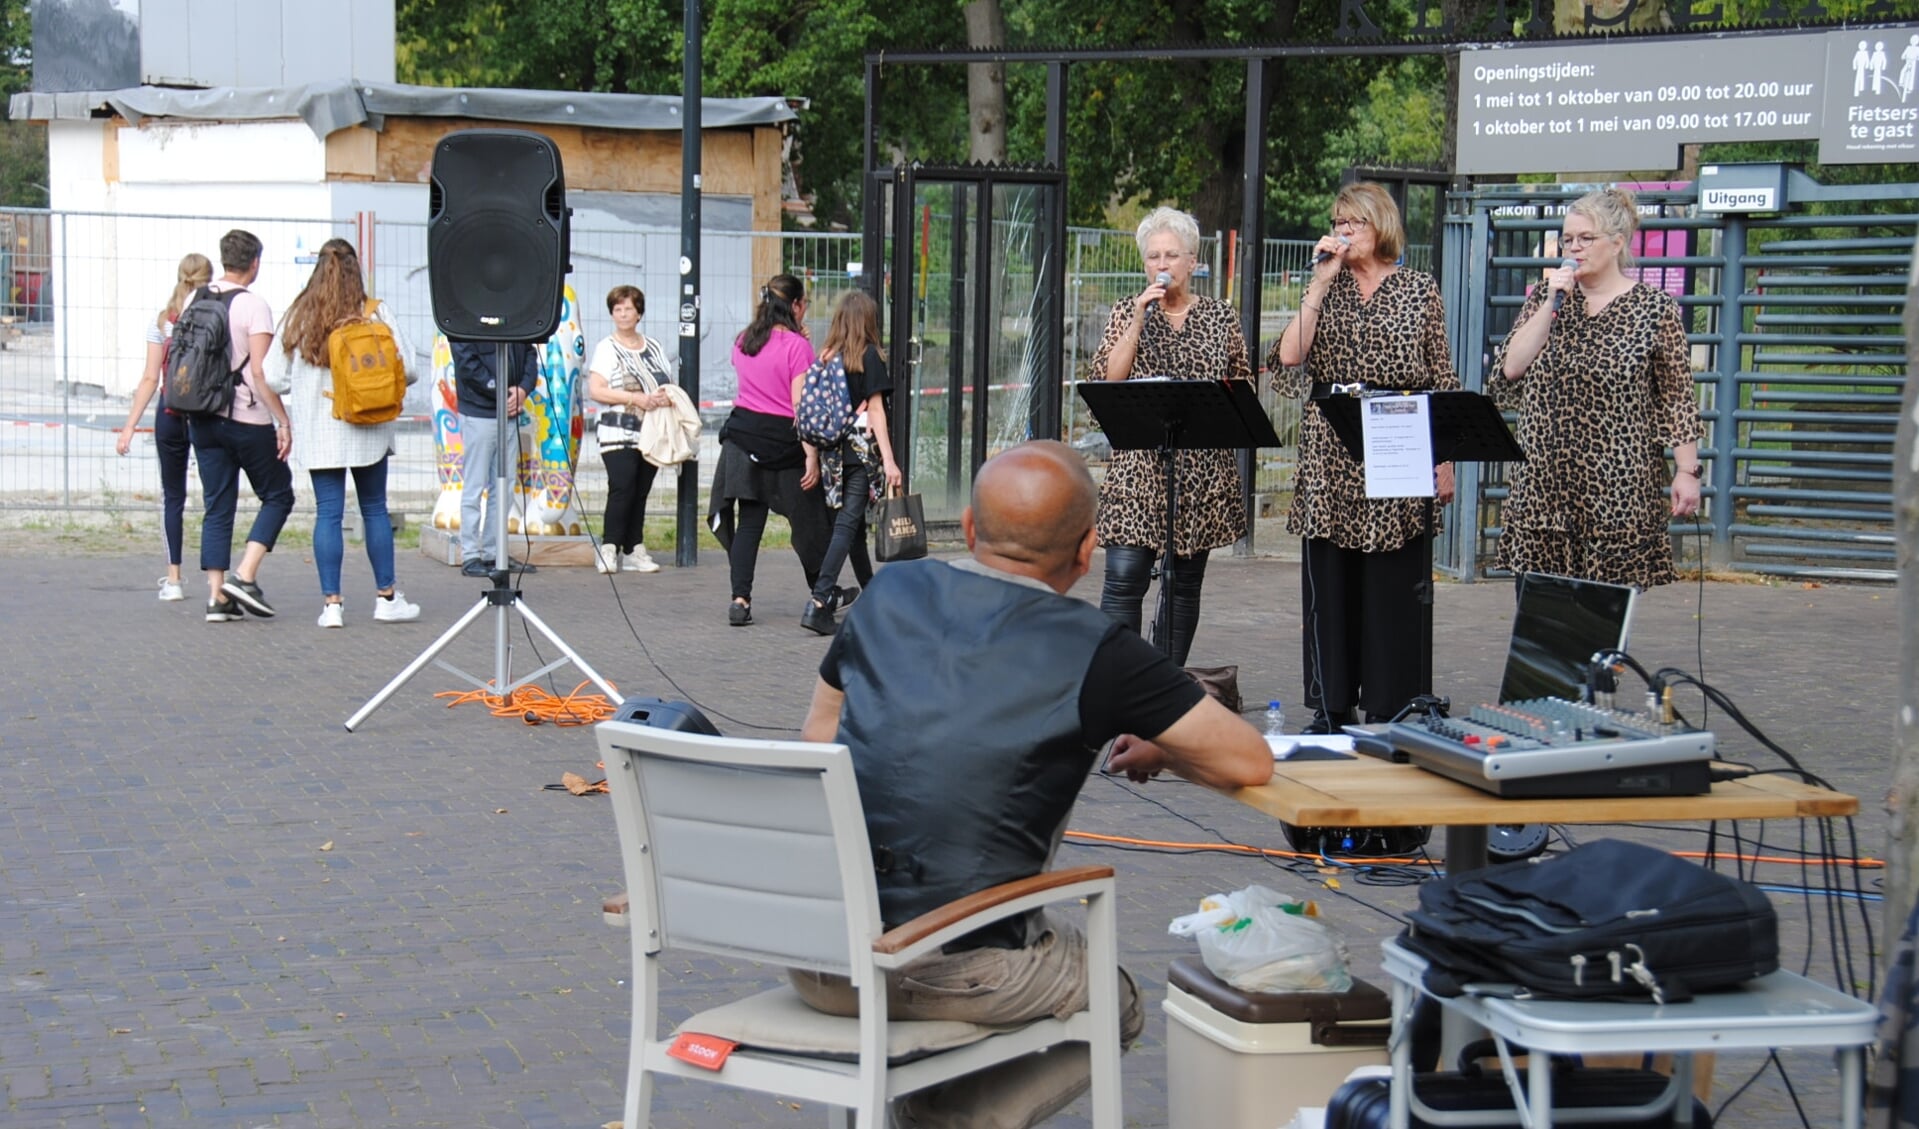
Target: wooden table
(1367,792)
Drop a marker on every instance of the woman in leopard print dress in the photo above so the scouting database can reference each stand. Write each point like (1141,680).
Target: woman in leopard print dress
(1166,330)
(1363,320)
(1603,386)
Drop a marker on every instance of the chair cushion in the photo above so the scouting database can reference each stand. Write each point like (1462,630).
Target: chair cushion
(778,1020)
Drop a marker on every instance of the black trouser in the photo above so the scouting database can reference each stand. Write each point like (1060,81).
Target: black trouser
(804,510)
(849,532)
(1129,569)
(1361,632)
(629,479)
(170,440)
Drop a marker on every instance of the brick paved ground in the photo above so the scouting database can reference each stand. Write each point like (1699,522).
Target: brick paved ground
(218,908)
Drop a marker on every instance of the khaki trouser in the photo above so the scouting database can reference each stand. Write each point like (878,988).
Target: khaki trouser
(992,987)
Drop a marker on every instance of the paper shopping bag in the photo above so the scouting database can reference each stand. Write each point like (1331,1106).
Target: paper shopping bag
(900,528)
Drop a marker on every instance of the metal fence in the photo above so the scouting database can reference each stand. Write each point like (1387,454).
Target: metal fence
(66,381)
(1798,352)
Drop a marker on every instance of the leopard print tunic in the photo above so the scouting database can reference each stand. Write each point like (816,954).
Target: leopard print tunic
(1132,500)
(1597,410)
(1395,339)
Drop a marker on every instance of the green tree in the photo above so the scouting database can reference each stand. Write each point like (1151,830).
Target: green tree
(23,145)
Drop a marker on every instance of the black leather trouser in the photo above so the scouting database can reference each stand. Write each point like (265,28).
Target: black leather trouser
(1129,570)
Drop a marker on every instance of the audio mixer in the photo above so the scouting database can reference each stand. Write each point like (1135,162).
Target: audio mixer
(1549,747)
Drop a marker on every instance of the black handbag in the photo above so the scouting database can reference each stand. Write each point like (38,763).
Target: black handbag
(1607,920)
(899,528)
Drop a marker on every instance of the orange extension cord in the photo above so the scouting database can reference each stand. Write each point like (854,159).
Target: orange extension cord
(535,706)
(1088,836)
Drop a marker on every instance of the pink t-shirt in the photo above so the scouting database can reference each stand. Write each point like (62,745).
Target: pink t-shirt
(766,380)
(249,314)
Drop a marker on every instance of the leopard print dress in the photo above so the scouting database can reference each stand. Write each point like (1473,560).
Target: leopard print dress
(1394,340)
(1598,408)
(1132,500)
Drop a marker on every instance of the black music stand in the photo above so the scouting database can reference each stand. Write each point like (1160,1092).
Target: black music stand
(1167,415)
(1466,427)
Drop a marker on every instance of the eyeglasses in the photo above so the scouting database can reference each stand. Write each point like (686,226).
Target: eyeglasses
(1581,240)
(1349,221)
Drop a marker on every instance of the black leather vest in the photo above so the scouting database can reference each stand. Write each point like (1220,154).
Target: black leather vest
(962,714)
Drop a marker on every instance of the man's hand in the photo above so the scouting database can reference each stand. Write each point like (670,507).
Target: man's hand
(515,399)
(1138,758)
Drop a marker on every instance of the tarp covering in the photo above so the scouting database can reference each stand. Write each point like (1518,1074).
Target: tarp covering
(331,106)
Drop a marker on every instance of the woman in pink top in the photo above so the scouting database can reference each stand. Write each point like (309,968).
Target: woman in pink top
(762,466)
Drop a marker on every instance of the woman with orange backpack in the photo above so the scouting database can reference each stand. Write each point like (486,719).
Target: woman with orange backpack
(303,369)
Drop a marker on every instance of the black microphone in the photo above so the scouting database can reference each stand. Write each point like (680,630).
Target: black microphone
(1344,240)
(1559,296)
(1160,279)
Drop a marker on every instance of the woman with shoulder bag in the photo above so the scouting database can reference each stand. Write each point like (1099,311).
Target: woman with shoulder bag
(853,469)
(627,371)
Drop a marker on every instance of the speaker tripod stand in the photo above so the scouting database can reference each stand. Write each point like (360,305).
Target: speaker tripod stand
(501,598)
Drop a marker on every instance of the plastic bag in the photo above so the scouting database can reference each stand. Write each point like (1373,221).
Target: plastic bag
(1258,940)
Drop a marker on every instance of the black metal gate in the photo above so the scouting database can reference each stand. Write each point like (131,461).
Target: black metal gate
(1798,351)
(973,286)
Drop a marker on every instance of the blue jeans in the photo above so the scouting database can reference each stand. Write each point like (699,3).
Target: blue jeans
(329,505)
(226,448)
(172,444)
(479,444)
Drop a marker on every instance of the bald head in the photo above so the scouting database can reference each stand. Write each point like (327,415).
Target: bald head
(1033,505)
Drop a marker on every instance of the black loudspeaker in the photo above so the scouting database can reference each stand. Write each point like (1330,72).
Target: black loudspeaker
(497,238)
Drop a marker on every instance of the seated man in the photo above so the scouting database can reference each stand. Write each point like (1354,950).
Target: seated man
(974,696)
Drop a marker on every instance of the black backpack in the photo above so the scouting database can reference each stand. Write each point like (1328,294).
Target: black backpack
(1606,920)
(200,377)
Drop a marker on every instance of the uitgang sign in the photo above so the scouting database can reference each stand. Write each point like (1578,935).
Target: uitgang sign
(706,1051)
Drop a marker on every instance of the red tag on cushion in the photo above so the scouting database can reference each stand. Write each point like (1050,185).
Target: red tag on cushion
(707,1051)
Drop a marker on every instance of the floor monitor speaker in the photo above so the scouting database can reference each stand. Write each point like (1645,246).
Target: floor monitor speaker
(497,239)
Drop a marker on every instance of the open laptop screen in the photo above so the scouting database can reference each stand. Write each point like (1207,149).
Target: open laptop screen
(1560,623)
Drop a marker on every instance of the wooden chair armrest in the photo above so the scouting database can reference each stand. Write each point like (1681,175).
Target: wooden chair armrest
(615,910)
(932,921)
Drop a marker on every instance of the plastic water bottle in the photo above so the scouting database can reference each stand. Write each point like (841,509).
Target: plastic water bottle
(1275,718)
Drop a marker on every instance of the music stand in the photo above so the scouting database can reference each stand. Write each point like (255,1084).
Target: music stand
(1466,427)
(1167,415)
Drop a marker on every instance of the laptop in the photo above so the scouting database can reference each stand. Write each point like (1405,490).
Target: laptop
(1560,624)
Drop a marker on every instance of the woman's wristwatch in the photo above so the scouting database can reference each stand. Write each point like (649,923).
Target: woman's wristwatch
(1697,470)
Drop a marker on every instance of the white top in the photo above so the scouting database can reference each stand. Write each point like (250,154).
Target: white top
(321,442)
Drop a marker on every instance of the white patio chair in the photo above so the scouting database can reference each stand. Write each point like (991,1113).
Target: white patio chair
(757,850)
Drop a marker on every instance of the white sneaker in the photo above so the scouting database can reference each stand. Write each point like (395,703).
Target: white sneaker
(608,559)
(639,561)
(332,615)
(170,589)
(395,610)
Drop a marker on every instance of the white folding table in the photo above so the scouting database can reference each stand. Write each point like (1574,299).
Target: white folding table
(1780,1009)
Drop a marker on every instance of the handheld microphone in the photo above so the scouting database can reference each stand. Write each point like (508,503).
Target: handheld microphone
(1160,279)
(1344,241)
(1559,296)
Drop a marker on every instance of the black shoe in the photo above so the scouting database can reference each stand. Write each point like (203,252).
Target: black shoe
(474,567)
(843,597)
(521,566)
(249,596)
(223,610)
(818,618)
(1322,723)
(738,614)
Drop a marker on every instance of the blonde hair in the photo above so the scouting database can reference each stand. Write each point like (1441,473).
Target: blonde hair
(196,270)
(1615,212)
(1375,205)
